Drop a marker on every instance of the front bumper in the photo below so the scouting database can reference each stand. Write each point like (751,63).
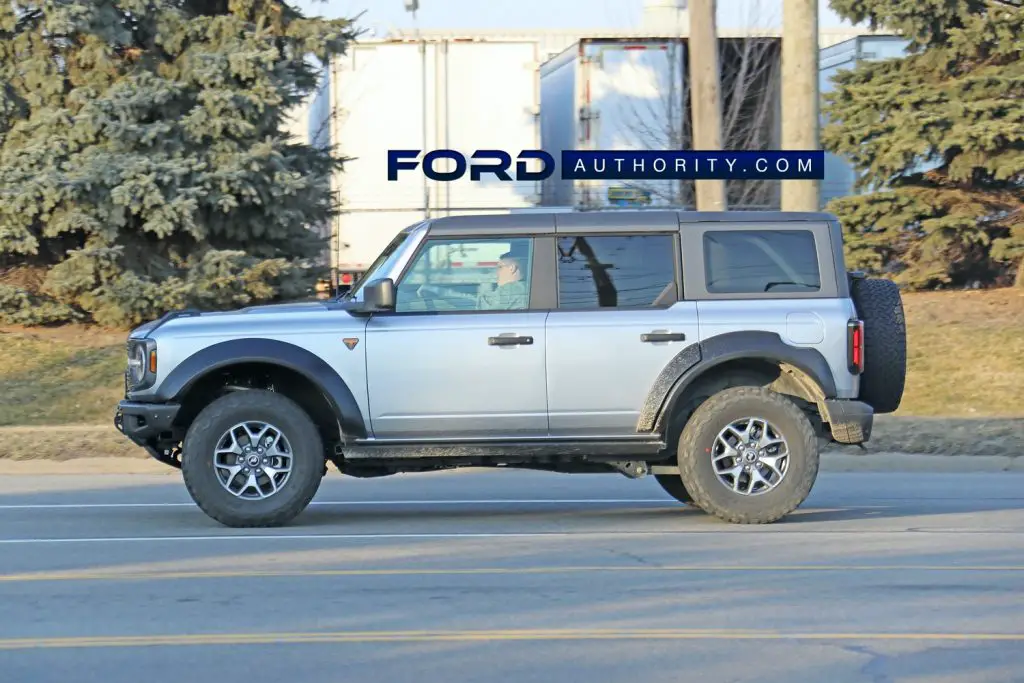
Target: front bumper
(150,425)
(849,421)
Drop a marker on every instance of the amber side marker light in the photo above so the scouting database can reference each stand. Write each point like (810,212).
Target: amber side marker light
(152,362)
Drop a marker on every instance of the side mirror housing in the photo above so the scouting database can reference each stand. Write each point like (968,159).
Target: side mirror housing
(379,295)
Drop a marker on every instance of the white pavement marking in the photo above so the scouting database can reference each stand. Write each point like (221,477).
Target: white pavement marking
(303,537)
(632,533)
(490,501)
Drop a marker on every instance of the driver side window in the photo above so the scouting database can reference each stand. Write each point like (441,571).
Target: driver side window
(468,274)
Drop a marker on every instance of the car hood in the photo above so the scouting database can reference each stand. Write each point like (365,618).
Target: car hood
(309,307)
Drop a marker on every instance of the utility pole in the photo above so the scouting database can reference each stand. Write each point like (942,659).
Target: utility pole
(412,6)
(705,97)
(800,96)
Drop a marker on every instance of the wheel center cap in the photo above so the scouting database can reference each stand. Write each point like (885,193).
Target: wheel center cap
(254,460)
(751,456)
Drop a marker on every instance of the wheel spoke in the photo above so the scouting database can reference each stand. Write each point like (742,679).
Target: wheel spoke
(251,437)
(741,436)
(753,425)
(772,462)
(250,483)
(231,472)
(272,478)
(735,473)
(728,451)
(755,479)
(273,446)
(235,448)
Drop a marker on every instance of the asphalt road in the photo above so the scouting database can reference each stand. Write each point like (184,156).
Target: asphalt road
(513,577)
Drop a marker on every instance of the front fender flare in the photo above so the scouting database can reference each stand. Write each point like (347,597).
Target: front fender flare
(272,352)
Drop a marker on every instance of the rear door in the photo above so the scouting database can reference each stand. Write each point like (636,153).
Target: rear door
(618,323)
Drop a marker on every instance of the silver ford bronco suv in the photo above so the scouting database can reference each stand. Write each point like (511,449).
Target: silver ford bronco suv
(717,352)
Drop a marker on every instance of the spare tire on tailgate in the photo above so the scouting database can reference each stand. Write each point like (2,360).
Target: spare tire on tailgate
(880,306)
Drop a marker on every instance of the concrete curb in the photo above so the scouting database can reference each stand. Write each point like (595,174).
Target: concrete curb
(830,462)
(87,466)
(915,462)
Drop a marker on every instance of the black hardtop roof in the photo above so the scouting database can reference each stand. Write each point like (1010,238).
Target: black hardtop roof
(639,220)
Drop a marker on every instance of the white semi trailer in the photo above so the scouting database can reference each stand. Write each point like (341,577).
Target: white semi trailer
(612,94)
(449,93)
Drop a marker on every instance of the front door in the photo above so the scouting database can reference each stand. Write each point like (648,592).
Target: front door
(462,355)
(619,322)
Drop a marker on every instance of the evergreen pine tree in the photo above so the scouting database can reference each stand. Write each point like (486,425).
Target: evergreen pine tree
(939,136)
(142,161)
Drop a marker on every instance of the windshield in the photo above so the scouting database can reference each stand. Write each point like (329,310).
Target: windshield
(381,263)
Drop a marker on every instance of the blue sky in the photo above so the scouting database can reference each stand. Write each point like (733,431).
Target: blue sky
(520,14)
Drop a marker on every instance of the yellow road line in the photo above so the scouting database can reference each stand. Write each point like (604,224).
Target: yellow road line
(476,636)
(162,575)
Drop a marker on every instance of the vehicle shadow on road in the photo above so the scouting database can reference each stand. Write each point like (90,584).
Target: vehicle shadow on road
(486,506)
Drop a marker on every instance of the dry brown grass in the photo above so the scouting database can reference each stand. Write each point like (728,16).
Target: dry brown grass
(62,375)
(966,363)
(966,354)
(66,442)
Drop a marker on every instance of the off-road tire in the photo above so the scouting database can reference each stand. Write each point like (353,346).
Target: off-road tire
(673,486)
(880,306)
(215,419)
(695,462)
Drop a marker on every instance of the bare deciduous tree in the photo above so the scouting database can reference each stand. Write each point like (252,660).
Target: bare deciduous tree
(750,86)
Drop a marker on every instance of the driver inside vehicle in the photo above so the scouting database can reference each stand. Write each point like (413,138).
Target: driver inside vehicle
(508,292)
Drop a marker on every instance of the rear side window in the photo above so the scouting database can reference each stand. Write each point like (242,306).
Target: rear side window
(759,261)
(616,271)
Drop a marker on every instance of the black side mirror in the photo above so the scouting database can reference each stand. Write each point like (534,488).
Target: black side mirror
(379,295)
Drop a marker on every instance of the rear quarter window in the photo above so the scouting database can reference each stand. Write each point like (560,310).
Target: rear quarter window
(761,261)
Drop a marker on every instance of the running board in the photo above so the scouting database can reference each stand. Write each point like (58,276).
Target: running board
(516,450)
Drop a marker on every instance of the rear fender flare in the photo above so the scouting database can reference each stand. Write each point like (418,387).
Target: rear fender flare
(697,360)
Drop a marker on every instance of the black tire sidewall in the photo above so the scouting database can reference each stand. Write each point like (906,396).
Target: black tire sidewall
(880,306)
(673,485)
(695,458)
(254,405)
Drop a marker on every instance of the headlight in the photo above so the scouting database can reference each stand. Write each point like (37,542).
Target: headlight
(141,363)
(136,363)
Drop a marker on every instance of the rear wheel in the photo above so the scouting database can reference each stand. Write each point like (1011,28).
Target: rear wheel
(748,455)
(252,459)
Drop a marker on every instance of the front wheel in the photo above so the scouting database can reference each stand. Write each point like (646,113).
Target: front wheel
(252,459)
(748,455)
(673,486)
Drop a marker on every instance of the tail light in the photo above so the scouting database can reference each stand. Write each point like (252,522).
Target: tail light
(855,345)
